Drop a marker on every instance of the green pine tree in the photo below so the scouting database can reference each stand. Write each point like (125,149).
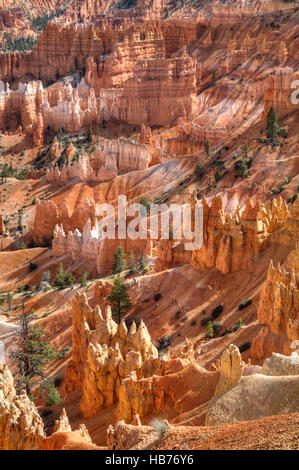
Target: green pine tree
(119,299)
(83,280)
(119,263)
(144,202)
(141,263)
(199,171)
(207,147)
(89,133)
(63,278)
(50,392)
(272,124)
(132,266)
(209,330)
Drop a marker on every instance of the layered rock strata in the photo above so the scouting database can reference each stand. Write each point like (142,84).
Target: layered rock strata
(107,357)
(278,310)
(230,241)
(49,214)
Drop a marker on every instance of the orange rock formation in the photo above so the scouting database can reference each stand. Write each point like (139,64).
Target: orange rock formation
(278,310)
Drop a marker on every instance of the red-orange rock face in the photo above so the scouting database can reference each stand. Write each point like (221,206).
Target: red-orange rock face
(278,310)
(49,214)
(278,95)
(165,102)
(151,97)
(229,241)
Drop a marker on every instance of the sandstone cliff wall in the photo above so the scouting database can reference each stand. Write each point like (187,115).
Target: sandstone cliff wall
(229,241)
(109,362)
(49,214)
(278,310)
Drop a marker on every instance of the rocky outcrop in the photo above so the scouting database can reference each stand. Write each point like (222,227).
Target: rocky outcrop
(21,427)
(104,354)
(239,12)
(35,174)
(131,81)
(182,387)
(279,89)
(62,424)
(230,368)
(151,95)
(55,149)
(82,171)
(2,226)
(191,138)
(73,108)
(128,155)
(111,364)
(135,73)
(278,310)
(110,157)
(49,214)
(230,241)
(82,317)
(63,438)
(21,107)
(254,397)
(278,364)
(115,355)
(90,245)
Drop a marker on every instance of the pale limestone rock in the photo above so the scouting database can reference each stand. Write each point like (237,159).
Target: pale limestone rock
(84,432)
(278,364)
(254,397)
(230,367)
(21,427)
(62,424)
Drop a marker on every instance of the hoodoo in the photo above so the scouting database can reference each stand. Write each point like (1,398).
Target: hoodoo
(149,226)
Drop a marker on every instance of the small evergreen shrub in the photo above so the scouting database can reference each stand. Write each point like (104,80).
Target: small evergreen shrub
(83,280)
(226,332)
(217,326)
(244,347)
(244,304)
(164,343)
(32,267)
(217,311)
(199,171)
(237,325)
(63,279)
(209,330)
